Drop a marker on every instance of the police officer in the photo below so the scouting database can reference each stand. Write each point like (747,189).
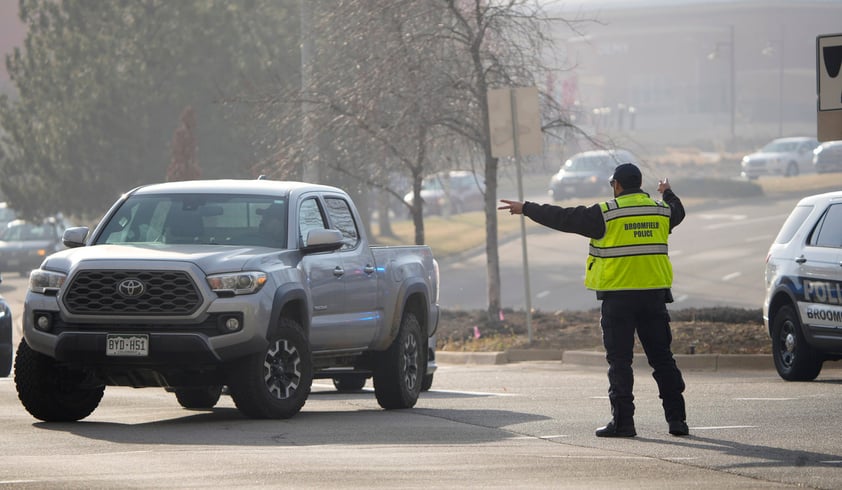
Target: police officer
(630,271)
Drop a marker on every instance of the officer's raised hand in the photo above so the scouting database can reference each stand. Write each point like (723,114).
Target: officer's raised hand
(514,207)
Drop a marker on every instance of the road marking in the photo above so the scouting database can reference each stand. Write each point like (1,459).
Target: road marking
(742,222)
(725,427)
(680,298)
(530,438)
(765,399)
(760,238)
(732,275)
(730,217)
(542,294)
(472,393)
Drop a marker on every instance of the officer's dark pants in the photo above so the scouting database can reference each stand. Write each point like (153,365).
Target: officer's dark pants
(623,313)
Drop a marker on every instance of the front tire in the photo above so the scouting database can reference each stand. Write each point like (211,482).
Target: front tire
(399,372)
(202,398)
(51,392)
(275,383)
(794,359)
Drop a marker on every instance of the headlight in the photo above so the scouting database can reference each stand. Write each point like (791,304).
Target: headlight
(237,282)
(41,281)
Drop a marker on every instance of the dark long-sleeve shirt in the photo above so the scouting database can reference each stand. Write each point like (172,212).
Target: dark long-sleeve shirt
(588,220)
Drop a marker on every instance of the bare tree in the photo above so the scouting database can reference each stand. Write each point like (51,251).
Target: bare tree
(184,164)
(399,82)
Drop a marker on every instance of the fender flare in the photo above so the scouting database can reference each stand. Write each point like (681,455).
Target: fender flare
(284,295)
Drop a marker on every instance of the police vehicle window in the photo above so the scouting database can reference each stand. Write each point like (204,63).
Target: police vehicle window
(790,226)
(343,219)
(309,218)
(828,231)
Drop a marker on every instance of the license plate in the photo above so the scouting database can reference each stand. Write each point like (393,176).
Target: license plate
(136,345)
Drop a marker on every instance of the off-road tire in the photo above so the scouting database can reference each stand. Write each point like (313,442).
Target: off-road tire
(6,350)
(274,383)
(427,383)
(349,382)
(202,398)
(400,370)
(50,392)
(794,359)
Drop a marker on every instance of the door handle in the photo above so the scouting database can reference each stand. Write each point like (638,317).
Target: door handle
(368,269)
(800,260)
(338,271)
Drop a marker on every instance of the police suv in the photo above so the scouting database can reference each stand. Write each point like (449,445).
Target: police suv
(803,306)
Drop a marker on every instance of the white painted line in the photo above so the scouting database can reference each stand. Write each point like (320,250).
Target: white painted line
(765,399)
(474,393)
(743,222)
(542,294)
(760,238)
(680,298)
(676,253)
(732,275)
(598,397)
(729,217)
(532,438)
(725,427)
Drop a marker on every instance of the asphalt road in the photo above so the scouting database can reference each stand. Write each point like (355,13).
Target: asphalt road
(718,255)
(524,425)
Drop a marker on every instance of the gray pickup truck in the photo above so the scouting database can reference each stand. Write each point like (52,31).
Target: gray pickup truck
(253,288)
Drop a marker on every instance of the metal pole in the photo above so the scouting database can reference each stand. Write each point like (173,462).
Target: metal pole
(733,83)
(310,169)
(781,86)
(515,131)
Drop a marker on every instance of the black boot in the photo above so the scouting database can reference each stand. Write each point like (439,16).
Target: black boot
(612,429)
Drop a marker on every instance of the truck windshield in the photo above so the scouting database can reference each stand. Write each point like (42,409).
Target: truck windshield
(212,219)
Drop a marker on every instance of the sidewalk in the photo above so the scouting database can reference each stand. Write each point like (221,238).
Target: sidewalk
(686,362)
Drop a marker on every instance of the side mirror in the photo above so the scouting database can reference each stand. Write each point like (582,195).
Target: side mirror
(322,240)
(74,237)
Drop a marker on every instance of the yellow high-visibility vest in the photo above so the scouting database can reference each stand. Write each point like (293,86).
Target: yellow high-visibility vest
(632,255)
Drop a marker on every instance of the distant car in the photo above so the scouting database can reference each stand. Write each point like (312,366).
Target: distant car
(803,305)
(827,157)
(461,190)
(587,173)
(25,244)
(782,156)
(7,214)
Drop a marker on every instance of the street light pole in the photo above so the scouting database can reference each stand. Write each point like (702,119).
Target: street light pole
(781,85)
(778,46)
(731,45)
(733,83)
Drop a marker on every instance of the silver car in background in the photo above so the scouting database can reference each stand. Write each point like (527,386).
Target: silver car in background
(782,156)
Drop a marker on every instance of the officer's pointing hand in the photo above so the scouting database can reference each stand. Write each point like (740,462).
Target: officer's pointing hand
(514,207)
(663,185)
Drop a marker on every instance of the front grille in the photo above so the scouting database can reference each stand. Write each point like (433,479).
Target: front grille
(97,292)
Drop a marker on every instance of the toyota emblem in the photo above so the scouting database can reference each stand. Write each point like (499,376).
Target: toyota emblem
(130,288)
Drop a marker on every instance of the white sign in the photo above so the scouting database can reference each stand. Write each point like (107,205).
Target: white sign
(526,120)
(829,71)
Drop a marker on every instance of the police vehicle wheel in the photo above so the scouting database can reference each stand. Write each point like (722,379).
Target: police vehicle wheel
(794,359)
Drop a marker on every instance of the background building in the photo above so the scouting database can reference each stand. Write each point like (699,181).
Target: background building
(717,75)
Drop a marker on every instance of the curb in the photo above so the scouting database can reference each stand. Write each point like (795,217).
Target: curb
(686,362)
